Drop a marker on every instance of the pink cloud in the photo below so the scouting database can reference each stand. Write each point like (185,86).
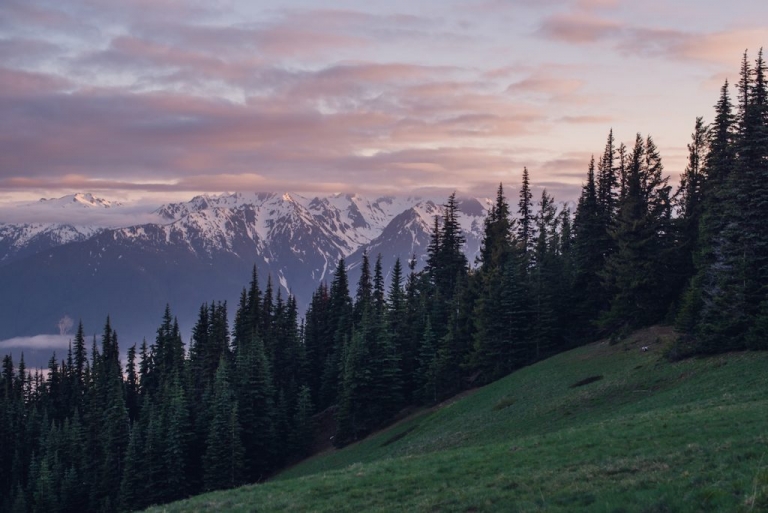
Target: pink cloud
(26,83)
(579,27)
(723,47)
(23,52)
(19,13)
(583,120)
(597,4)
(545,84)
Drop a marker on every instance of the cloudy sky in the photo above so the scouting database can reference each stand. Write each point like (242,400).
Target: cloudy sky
(168,98)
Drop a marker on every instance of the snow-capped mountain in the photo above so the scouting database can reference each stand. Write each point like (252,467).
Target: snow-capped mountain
(18,240)
(79,200)
(204,250)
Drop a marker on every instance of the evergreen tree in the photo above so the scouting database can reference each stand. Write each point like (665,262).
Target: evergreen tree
(635,272)
(525,215)
(497,237)
(340,315)
(364,294)
(80,357)
(544,279)
(588,258)
(177,440)
(494,344)
(318,339)
(607,182)
(255,397)
(689,200)
(453,262)
(223,461)
(302,436)
(131,485)
(132,386)
(411,334)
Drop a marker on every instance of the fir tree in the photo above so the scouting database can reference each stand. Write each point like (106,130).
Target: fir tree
(525,214)
(223,461)
(255,398)
(635,272)
(340,315)
(588,258)
(302,436)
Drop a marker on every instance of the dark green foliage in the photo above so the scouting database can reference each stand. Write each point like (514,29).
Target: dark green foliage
(689,200)
(499,345)
(588,257)
(525,213)
(131,486)
(371,386)
(340,314)
(302,435)
(255,394)
(635,273)
(724,305)
(224,453)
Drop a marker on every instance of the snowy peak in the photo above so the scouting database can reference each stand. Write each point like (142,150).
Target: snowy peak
(79,200)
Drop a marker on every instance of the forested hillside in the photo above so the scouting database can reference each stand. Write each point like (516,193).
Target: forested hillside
(237,404)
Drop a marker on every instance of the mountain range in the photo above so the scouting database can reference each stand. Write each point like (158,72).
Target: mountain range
(198,251)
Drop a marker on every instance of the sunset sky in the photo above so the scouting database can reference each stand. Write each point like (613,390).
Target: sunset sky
(163,99)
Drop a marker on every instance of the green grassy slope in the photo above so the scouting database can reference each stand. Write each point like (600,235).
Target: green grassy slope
(648,436)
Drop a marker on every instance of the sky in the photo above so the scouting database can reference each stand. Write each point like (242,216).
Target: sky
(160,100)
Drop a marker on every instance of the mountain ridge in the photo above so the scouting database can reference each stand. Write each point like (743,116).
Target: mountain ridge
(204,250)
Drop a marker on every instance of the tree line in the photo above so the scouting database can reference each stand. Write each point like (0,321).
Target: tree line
(94,433)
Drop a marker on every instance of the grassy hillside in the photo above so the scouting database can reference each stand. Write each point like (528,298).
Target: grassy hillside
(601,428)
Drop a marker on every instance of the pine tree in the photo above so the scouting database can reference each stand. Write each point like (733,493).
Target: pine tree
(364,294)
(702,302)
(318,339)
(256,409)
(353,416)
(497,237)
(340,315)
(45,497)
(726,296)
(413,328)
(453,262)
(607,182)
(492,352)
(80,356)
(131,485)
(223,460)
(378,287)
(525,215)
(689,200)
(302,436)
(178,437)
(635,272)
(590,296)
(752,191)
(132,386)
(398,330)
(544,277)
(114,430)
(243,329)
